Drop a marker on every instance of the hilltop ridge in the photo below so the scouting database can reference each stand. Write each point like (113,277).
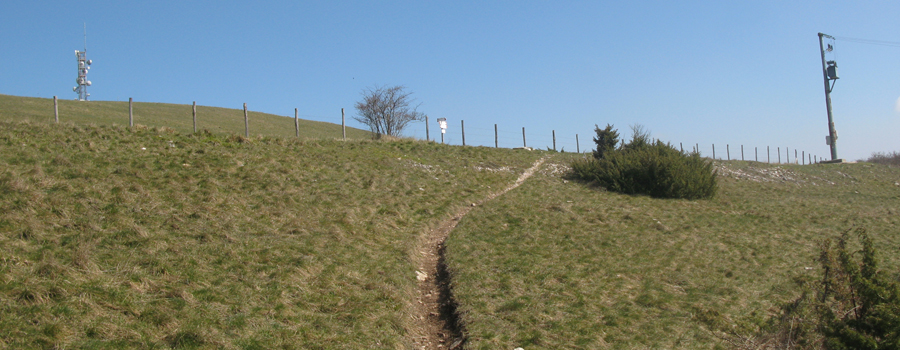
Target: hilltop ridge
(175,116)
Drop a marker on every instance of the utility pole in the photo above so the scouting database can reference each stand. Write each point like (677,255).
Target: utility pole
(829,72)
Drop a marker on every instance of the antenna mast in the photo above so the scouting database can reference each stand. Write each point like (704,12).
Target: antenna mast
(84,65)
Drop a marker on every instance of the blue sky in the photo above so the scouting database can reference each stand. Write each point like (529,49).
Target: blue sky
(717,72)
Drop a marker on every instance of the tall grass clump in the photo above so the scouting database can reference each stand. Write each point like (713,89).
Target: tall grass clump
(646,166)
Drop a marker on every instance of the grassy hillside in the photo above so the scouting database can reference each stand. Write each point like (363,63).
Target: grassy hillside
(177,117)
(556,264)
(119,237)
(151,237)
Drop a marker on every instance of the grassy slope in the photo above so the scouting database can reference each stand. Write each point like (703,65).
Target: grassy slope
(144,238)
(116,237)
(177,117)
(556,264)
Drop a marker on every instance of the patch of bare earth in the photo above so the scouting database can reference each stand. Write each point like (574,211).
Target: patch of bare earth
(436,324)
(769,174)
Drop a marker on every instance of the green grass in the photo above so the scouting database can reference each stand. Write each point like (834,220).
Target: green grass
(154,237)
(177,117)
(118,237)
(557,264)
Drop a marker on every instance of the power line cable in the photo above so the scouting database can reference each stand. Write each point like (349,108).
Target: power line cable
(869,41)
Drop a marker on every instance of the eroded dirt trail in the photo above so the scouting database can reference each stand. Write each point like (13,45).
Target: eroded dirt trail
(436,321)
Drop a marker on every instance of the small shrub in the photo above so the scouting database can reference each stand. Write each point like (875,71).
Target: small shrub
(659,171)
(606,140)
(890,158)
(585,168)
(646,167)
(861,307)
(853,305)
(640,138)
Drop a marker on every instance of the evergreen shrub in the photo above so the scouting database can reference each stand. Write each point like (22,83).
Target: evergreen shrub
(860,305)
(854,305)
(654,168)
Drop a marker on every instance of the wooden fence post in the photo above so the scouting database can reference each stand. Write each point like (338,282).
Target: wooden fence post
(778,149)
(246,122)
(768,155)
(795,156)
(714,151)
(296,123)
(578,146)
(554,140)
(426,127)
(194,115)
(496,144)
(742,153)
(344,125)
(55,110)
(130,117)
(523,138)
(463,128)
(728,151)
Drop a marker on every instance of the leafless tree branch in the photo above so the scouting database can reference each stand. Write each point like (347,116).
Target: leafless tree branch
(387,110)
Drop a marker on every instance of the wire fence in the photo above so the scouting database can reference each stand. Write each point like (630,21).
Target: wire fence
(506,137)
(774,155)
(494,135)
(503,136)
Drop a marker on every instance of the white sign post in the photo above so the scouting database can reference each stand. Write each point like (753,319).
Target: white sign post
(443,123)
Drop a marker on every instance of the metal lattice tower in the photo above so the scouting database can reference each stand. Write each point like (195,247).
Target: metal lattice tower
(84,65)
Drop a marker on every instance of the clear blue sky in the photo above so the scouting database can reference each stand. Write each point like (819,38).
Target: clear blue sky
(716,72)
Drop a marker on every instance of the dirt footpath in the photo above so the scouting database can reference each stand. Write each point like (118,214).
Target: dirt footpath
(437,325)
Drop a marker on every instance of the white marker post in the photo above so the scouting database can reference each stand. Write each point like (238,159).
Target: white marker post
(443,123)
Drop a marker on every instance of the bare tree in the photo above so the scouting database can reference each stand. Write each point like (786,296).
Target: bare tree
(386,110)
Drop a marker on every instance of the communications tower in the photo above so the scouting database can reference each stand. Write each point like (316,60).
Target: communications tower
(84,65)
